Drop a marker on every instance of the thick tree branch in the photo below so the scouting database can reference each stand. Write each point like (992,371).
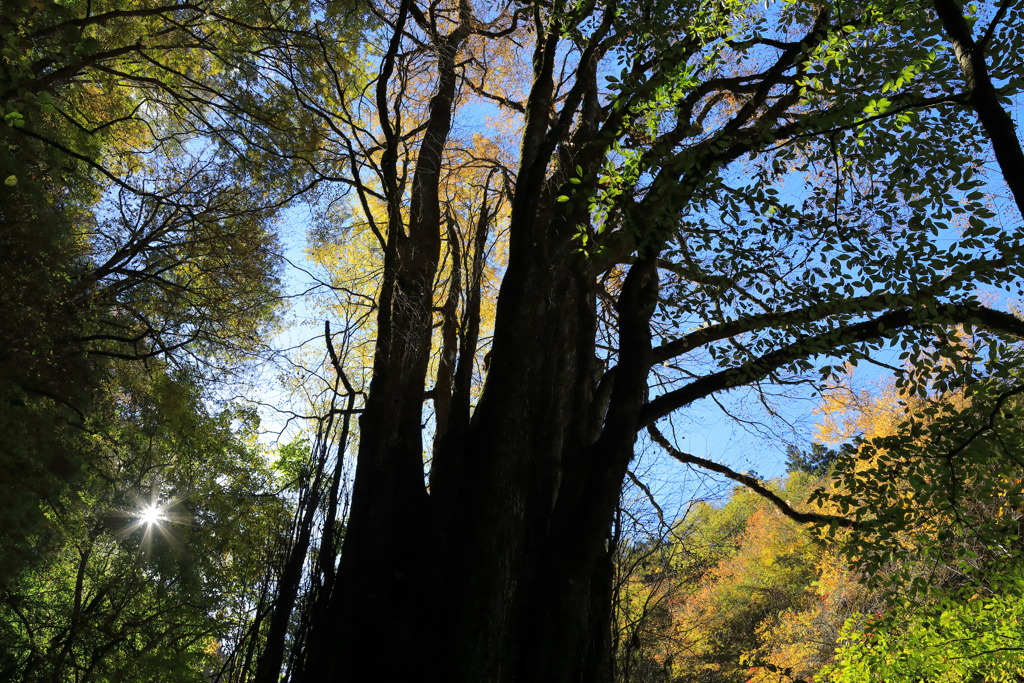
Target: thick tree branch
(880,327)
(871,303)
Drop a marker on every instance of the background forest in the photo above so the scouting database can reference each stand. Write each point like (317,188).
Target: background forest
(356,340)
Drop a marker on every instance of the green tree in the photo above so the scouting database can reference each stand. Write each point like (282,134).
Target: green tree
(133,224)
(142,180)
(938,505)
(157,559)
(964,639)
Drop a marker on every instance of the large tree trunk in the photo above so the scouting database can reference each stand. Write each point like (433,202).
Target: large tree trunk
(501,571)
(495,523)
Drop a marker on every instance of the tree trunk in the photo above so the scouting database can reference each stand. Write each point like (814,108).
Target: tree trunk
(500,572)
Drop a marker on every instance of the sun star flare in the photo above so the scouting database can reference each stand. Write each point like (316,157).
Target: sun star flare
(152,515)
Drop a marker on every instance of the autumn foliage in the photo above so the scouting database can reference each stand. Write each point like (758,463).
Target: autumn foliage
(739,592)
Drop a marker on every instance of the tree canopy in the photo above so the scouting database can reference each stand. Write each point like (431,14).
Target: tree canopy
(545,232)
